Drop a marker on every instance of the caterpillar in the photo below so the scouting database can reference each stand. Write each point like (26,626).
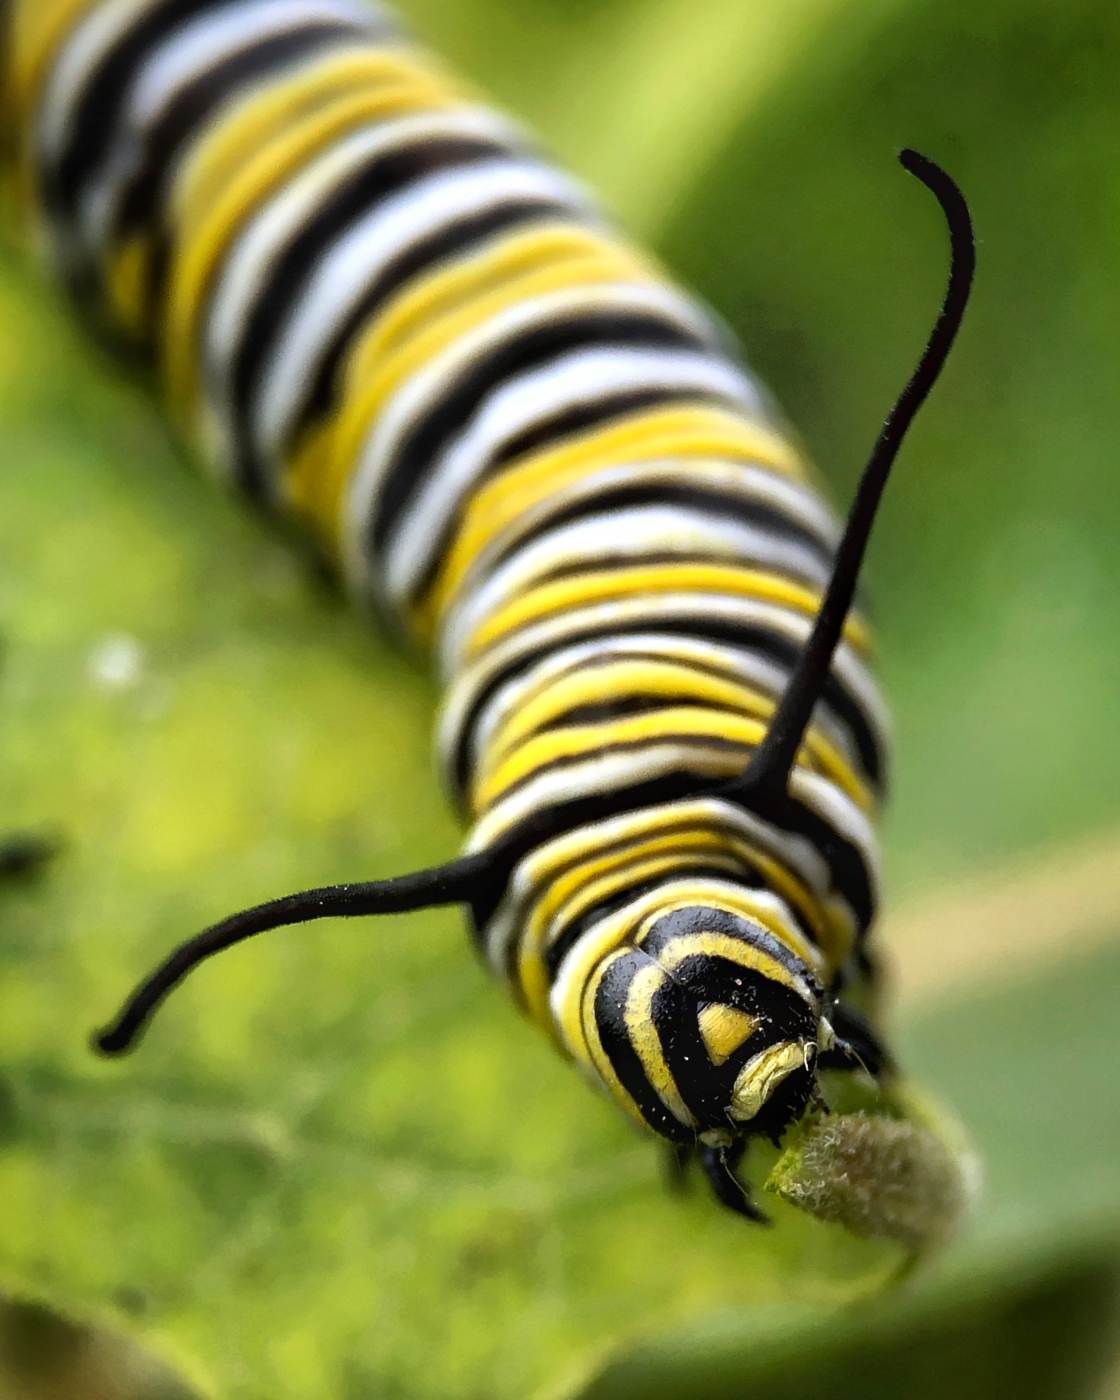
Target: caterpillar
(378,311)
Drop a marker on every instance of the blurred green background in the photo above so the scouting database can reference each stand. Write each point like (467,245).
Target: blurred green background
(341,1167)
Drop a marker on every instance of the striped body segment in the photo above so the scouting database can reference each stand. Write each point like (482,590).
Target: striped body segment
(379,311)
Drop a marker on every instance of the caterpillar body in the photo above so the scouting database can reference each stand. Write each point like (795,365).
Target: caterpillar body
(379,311)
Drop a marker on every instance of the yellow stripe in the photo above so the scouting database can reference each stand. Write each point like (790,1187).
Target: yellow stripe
(588,957)
(722,945)
(683,724)
(564,897)
(249,156)
(590,1046)
(565,893)
(665,679)
(359,72)
(603,585)
(700,431)
(37,30)
(680,724)
(126,285)
(521,269)
(646,1043)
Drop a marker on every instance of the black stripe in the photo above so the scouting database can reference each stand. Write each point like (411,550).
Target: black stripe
(849,870)
(625,706)
(675,828)
(524,351)
(610,1001)
(620,562)
(607,409)
(607,708)
(372,183)
(543,824)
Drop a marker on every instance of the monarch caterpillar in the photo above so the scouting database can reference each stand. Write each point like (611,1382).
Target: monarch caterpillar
(381,313)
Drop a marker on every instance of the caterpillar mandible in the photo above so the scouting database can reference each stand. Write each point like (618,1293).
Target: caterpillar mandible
(379,311)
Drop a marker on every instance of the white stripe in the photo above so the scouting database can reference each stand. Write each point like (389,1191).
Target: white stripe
(75,64)
(532,876)
(597,773)
(837,809)
(362,254)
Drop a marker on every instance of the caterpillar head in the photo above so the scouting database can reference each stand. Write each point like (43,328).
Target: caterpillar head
(705,1026)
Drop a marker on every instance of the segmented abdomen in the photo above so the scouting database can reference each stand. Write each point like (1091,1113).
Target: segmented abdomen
(381,311)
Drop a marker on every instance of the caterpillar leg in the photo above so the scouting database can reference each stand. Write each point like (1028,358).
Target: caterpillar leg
(857,1046)
(721,1167)
(25,853)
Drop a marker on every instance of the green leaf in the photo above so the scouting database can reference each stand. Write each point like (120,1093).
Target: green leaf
(1038,1322)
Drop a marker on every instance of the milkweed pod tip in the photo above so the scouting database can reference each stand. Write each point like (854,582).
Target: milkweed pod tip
(911,1179)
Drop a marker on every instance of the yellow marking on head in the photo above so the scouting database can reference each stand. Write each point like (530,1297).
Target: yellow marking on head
(762,1074)
(588,954)
(260,150)
(604,585)
(587,1046)
(723,1030)
(646,1043)
(698,431)
(317,486)
(710,943)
